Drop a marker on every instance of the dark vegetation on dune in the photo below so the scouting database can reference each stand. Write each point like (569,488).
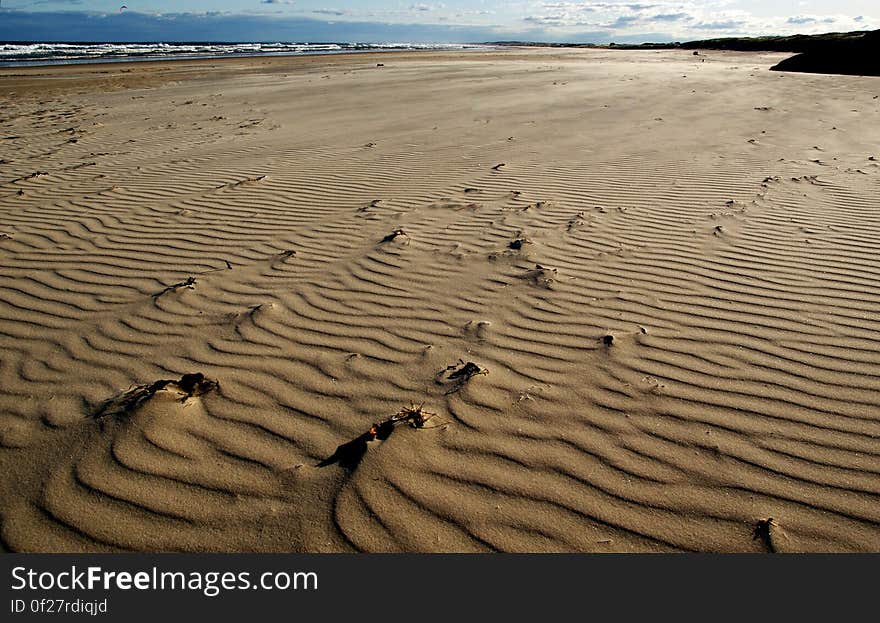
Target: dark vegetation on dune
(860,57)
(792,43)
(852,53)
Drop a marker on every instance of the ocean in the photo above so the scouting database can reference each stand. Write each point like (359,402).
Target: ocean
(20,54)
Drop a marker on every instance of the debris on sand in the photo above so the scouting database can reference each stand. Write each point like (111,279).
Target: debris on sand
(541,276)
(415,416)
(349,454)
(576,221)
(608,339)
(29,177)
(466,371)
(517,243)
(458,374)
(767,531)
(498,166)
(366,208)
(190,385)
(812,179)
(189,283)
(397,233)
(281,257)
(249,180)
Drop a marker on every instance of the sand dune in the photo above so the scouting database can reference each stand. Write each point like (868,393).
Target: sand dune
(668,297)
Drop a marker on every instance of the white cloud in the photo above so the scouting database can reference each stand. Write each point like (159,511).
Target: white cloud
(681,18)
(424,8)
(628,19)
(330,12)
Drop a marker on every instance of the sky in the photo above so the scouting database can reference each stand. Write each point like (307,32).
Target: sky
(622,21)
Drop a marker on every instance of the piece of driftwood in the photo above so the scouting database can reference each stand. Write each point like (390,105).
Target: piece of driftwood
(190,385)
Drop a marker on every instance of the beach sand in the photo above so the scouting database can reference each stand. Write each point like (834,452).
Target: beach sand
(662,268)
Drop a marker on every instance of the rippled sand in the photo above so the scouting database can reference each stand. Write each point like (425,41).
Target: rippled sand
(662,267)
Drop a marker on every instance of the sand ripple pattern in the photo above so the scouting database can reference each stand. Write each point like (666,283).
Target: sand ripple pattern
(188,229)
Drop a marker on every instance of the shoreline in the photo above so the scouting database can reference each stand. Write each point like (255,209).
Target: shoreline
(183,56)
(73,78)
(137,74)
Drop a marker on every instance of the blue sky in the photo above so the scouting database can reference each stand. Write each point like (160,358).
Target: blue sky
(449,20)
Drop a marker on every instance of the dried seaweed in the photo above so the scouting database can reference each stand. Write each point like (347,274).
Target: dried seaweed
(189,282)
(763,531)
(517,243)
(349,454)
(459,374)
(394,235)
